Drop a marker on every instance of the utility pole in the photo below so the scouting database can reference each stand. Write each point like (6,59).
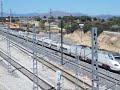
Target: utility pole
(77,69)
(8,48)
(49,24)
(35,69)
(61,41)
(81,27)
(9,53)
(2,12)
(95,79)
(10,16)
(27,33)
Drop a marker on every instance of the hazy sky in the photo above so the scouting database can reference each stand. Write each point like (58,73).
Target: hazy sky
(91,7)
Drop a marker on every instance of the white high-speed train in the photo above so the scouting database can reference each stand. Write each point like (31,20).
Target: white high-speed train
(110,60)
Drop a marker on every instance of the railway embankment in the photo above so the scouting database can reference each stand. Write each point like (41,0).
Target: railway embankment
(106,40)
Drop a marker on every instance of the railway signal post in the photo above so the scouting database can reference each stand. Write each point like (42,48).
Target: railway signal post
(58,80)
(35,69)
(95,79)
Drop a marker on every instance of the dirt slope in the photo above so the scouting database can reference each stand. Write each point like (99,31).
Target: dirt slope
(106,41)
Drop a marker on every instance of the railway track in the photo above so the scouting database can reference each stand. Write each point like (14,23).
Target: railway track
(88,69)
(111,79)
(41,83)
(54,67)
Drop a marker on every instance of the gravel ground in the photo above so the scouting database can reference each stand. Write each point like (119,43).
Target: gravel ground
(25,60)
(14,81)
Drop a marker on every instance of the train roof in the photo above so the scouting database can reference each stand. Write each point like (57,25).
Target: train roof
(47,40)
(101,50)
(80,45)
(115,54)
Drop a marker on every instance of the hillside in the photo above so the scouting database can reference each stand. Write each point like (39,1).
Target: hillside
(56,14)
(107,40)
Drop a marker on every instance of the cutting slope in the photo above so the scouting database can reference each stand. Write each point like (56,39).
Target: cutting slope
(106,40)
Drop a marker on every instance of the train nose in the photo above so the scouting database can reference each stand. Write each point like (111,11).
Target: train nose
(118,61)
(116,65)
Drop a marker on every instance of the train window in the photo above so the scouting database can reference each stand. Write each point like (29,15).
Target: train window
(39,41)
(53,45)
(117,58)
(110,56)
(64,48)
(46,43)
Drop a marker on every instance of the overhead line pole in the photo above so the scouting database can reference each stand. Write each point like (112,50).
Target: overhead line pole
(49,24)
(2,12)
(61,41)
(10,15)
(77,69)
(95,79)
(8,48)
(35,69)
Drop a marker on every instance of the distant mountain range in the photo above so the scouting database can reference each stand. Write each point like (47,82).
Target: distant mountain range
(58,13)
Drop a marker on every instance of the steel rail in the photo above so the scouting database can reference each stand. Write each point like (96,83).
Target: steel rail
(41,83)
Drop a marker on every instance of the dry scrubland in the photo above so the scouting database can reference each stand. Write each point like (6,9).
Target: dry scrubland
(106,40)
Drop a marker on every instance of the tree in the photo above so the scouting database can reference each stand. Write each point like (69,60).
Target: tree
(87,27)
(72,28)
(42,24)
(37,18)
(76,17)
(51,19)
(102,20)
(116,20)
(95,19)
(71,18)
(13,20)
(59,17)
(45,17)
(65,25)
(66,19)
(17,19)
(85,18)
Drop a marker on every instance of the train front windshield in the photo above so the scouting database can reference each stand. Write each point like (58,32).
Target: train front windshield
(116,56)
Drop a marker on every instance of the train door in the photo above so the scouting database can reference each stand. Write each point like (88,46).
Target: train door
(82,53)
